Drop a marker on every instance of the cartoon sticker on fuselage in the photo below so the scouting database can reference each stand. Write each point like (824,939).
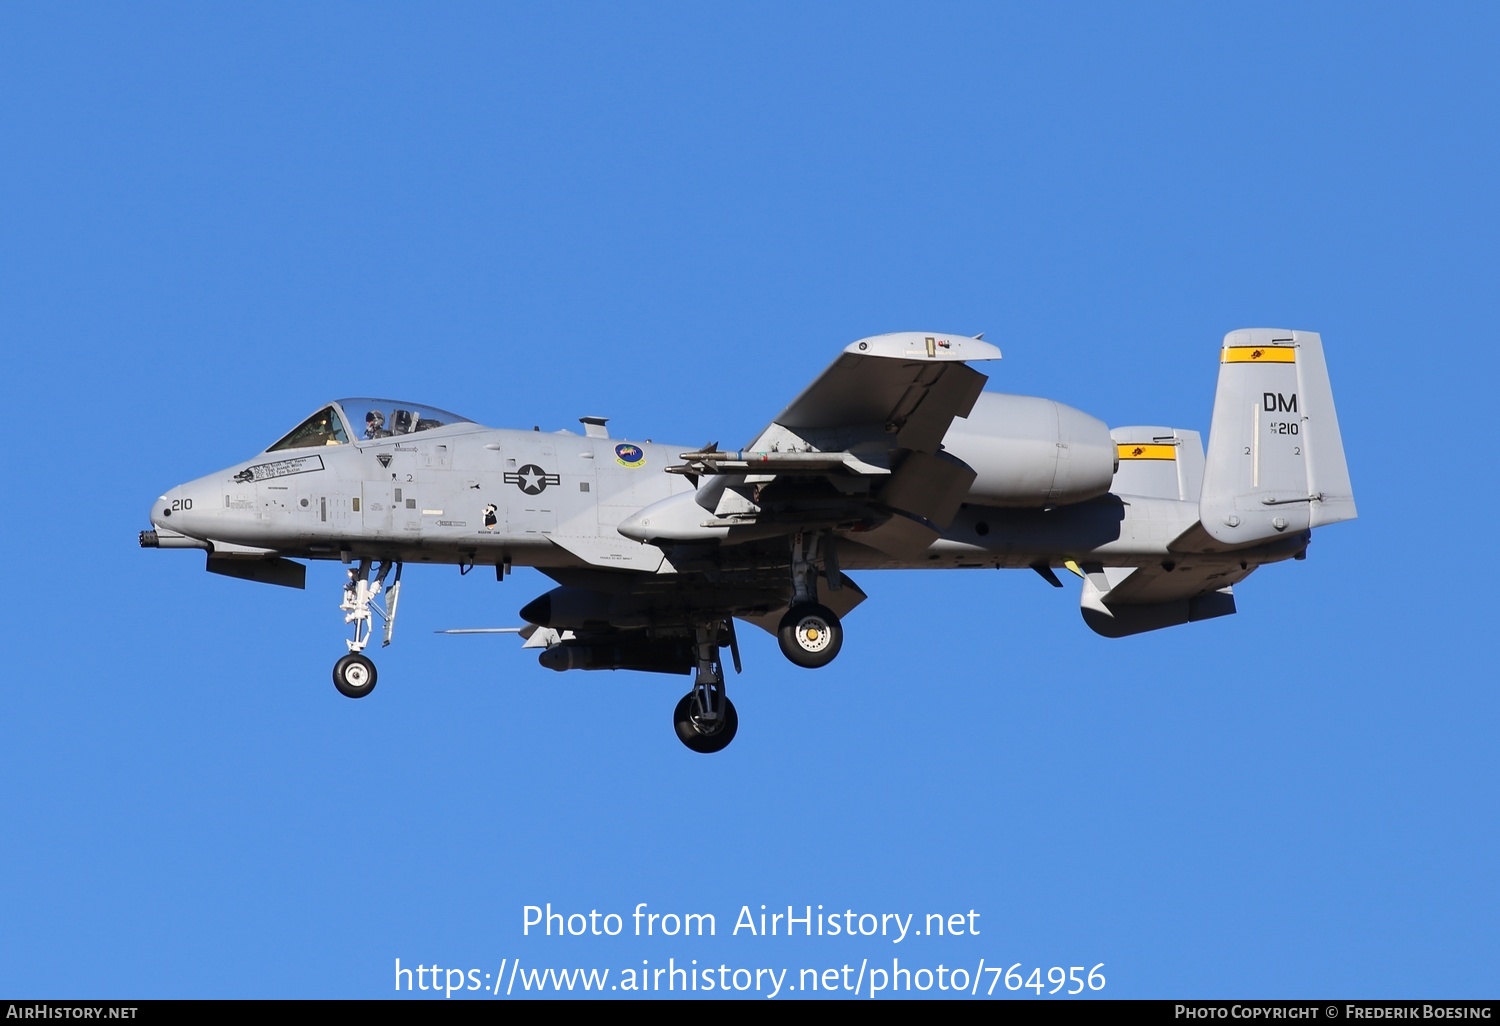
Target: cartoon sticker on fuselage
(627,455)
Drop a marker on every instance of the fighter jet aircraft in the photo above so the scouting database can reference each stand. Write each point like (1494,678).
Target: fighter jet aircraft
(893,457)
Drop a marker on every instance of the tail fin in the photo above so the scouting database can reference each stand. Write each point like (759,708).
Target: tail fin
(1275,461)
(1162,462)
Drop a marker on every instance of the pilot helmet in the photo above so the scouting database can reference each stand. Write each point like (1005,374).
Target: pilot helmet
(375,419)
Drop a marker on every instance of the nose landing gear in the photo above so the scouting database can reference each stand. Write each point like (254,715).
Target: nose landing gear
(366,592)
(354,676)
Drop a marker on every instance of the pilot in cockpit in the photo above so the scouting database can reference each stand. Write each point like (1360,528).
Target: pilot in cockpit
(323,430)
(375,425)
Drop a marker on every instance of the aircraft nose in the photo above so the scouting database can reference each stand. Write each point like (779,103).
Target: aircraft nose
(187,509)
(169,519)
(163,508)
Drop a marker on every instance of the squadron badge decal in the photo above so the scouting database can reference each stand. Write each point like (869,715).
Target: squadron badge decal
(627,455)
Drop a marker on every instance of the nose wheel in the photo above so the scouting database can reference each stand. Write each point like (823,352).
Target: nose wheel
(354,675)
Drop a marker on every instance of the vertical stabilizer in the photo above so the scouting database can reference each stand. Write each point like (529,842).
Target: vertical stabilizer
(1163,462)
(1275,461)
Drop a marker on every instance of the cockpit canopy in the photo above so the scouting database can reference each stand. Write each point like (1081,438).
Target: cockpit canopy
(362,420)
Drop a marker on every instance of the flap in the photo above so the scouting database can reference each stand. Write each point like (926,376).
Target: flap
(1146,585)
(1117,602)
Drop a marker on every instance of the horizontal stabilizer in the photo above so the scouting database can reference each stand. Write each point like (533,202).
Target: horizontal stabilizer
(1120,601)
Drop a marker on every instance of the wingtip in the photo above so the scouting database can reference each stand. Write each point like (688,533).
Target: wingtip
(907,345)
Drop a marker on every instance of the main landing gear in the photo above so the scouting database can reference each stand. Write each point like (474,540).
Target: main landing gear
(366,592)
(705,719)
(810,634)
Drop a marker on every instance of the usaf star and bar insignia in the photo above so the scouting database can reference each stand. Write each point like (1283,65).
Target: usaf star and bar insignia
(532,479)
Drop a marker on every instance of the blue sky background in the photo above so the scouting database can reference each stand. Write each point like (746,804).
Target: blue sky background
(215,217)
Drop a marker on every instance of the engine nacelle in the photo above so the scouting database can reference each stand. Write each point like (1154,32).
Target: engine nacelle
(1032,452)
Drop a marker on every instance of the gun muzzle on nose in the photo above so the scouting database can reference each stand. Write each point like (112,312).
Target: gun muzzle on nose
(161,539)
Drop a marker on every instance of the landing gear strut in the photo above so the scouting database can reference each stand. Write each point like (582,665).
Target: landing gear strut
(705,719)
(366,592)
(810,634)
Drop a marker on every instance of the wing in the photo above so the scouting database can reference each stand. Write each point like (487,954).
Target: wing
(859,450)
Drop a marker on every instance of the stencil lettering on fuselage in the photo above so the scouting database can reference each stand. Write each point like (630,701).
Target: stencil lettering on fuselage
(280,468)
